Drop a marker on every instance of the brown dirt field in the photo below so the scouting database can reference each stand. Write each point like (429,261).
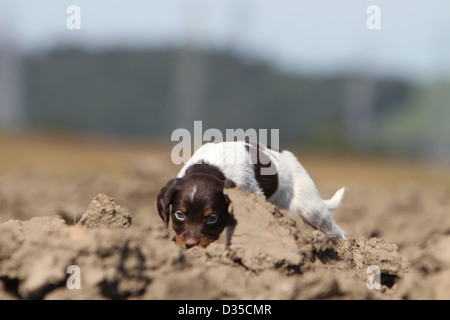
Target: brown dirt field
(396,214)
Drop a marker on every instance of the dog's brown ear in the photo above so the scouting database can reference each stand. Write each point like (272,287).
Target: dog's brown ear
(231,221)
(228,184)
(164,200)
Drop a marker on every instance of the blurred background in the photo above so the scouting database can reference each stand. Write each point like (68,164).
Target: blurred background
(312,69)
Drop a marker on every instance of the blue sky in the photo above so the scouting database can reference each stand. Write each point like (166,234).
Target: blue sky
(315,36)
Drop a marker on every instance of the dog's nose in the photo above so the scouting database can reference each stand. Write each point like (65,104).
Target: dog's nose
(190,243)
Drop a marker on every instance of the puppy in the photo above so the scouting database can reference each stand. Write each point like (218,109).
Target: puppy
(199,209)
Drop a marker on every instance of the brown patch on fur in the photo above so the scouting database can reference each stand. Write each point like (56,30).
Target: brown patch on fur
(204,242)
(207,212)
(269,183)
(183,208)
(179,239)
(205,168)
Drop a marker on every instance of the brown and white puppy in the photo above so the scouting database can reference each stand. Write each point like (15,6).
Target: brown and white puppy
(199,209)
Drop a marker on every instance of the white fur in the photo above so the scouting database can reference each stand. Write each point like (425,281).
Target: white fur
(232,159)
(298,194)
(336,200)
(192,193)
(296,191)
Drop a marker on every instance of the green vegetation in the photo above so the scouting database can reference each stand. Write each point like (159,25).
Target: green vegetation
(138,93)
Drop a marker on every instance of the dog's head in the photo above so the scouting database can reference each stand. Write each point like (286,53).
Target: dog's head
(198,208)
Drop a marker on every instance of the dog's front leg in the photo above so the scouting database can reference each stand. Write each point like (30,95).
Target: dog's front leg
(229,229)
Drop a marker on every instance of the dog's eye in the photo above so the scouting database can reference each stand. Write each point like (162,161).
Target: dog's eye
(179,215)
(212,218)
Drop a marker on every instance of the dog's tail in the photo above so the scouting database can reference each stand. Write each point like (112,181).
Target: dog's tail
(336,200)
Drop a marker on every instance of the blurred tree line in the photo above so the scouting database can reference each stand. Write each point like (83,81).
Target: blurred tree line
(134,93)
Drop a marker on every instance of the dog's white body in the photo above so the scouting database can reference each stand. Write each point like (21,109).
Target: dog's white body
(296,191)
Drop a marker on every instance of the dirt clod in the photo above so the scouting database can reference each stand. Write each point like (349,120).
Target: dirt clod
(270,250)
(103,212)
